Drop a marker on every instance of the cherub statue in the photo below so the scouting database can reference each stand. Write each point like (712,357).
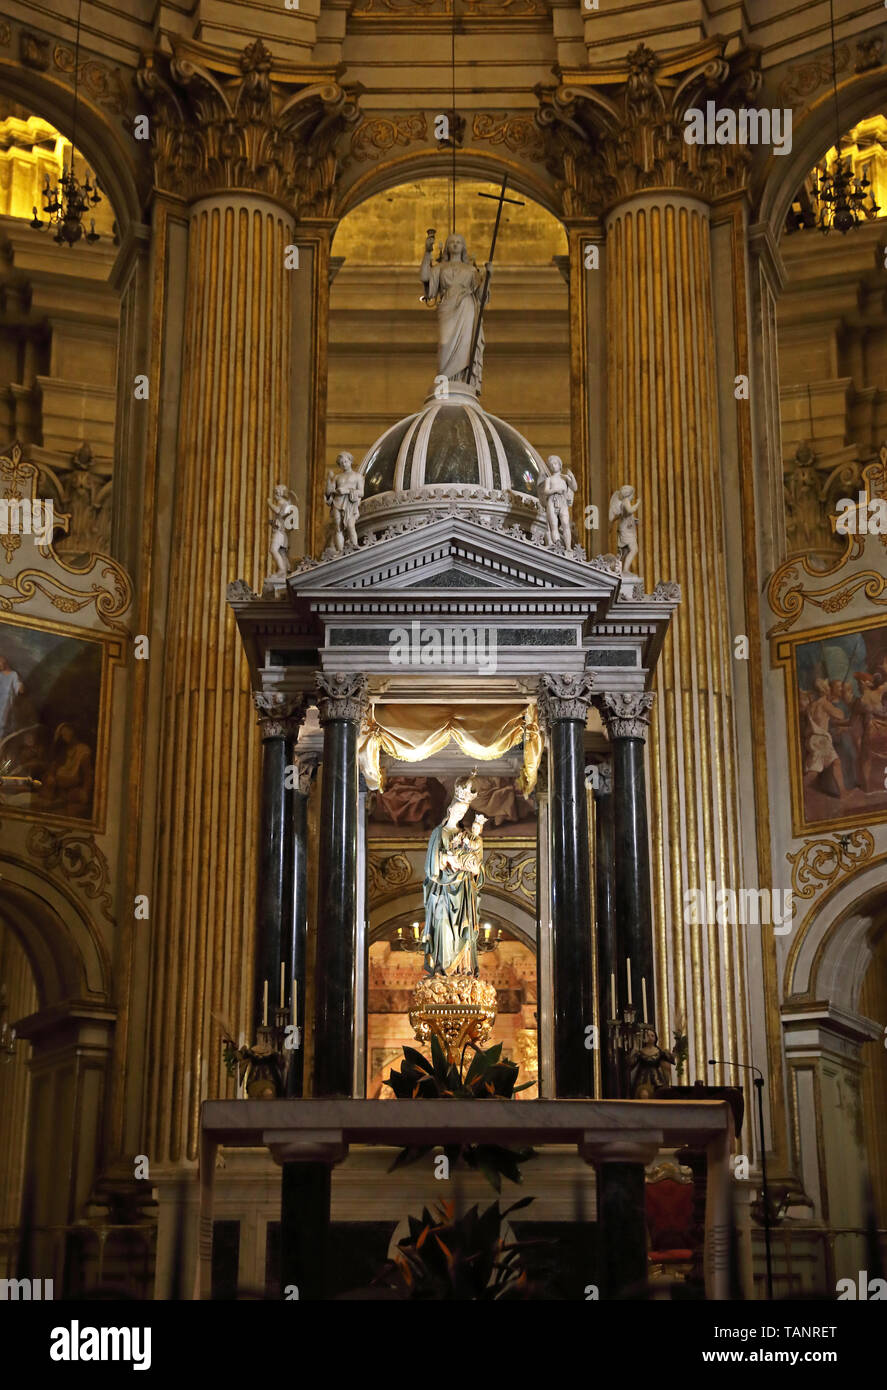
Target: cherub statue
(649,1065)
(470,843)
(557,492)
(284,508)
(623,508)
(343,494)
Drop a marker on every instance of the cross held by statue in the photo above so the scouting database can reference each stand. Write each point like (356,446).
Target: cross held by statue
(500,200)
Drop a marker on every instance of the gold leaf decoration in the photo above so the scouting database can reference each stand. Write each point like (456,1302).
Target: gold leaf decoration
(79,860)
(821,862)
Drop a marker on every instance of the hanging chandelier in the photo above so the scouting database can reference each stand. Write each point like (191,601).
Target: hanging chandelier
(840,193)
(66,202)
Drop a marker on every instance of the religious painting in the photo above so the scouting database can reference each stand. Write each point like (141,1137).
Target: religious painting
(52,717)
(410,807)
(837,707)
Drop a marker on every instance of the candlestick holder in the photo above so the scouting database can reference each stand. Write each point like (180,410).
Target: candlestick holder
(263,1068)
(623,1033)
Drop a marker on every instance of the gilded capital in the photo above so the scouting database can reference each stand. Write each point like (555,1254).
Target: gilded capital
(564,697)
(626,715)
(341,695)
(280,715)
(219,125)
(618,128)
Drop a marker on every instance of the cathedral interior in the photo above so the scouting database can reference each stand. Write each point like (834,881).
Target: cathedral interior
(457,477)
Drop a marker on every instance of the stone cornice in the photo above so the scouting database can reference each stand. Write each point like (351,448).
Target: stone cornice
(219,125)
(618,129)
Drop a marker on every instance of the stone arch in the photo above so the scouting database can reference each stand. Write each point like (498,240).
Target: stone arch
(470,164)
(100,140)
(832,950)
(858,96)
(64,949)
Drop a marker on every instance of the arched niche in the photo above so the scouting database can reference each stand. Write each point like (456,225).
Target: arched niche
(812,136)
(833,949)
(65,951)
(100,139)
(438,163)
(504,910)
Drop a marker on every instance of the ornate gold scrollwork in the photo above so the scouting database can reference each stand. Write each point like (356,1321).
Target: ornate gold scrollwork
(819,863)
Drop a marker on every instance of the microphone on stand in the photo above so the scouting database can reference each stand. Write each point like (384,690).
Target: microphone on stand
(759,1087)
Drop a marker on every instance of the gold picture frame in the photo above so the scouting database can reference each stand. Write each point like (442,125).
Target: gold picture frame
(787,653)
(110,654)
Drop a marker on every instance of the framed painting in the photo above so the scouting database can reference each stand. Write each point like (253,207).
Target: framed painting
(54,712)
(836,694)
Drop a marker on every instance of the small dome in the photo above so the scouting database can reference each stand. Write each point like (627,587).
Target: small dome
(452,449)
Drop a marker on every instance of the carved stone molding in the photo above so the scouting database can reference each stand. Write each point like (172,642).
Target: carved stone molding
(375,137)
(305,765)
(342,696)
(565,697)
(618,129)
(519,134)
(280,715)
(666,591)
(626,715)
(211,132)
(78,859)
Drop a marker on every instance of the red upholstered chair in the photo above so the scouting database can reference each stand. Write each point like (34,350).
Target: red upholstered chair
(669,1202)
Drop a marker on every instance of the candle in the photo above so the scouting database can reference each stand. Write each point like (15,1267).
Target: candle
(612,996)
(416,930)
(282,990)
(628,977)
(265,1006)
(644,995)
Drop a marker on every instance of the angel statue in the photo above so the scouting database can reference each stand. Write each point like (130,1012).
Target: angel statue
(623,508)
(453,878)
(557,492)
(454,285)
(284,508)
(343,494)
(650,1065)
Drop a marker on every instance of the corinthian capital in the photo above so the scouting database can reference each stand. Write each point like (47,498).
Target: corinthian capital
(252,129)
(626,715)
(342,696)
(280,715)
(564,697)
(617,128)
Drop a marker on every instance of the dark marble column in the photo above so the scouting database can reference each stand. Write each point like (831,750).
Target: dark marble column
(627,717)
(341,703)
(301,772)
(600,776)
(280,718)
(563,707)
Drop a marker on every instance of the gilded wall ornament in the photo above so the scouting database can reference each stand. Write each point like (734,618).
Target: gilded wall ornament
(787,594)
(515,873)
(388,871)
(110,595)
(819,863)
(520,134)
(376,137)
(212,132)
(78,859)
(104,84)
(615,130)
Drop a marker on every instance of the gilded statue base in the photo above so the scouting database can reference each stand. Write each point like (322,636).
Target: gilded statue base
(458,1008)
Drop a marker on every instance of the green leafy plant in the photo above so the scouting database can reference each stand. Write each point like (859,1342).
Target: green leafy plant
(466,1257)
(487,1076)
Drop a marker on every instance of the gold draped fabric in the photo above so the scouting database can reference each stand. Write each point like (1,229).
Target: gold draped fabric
(414,732)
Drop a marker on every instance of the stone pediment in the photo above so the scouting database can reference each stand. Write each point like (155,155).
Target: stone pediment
(458,553)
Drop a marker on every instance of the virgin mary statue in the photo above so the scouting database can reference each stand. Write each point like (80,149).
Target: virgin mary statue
(455,285)
(453,876)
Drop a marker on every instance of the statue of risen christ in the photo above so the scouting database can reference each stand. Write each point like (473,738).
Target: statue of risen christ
(456,286)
